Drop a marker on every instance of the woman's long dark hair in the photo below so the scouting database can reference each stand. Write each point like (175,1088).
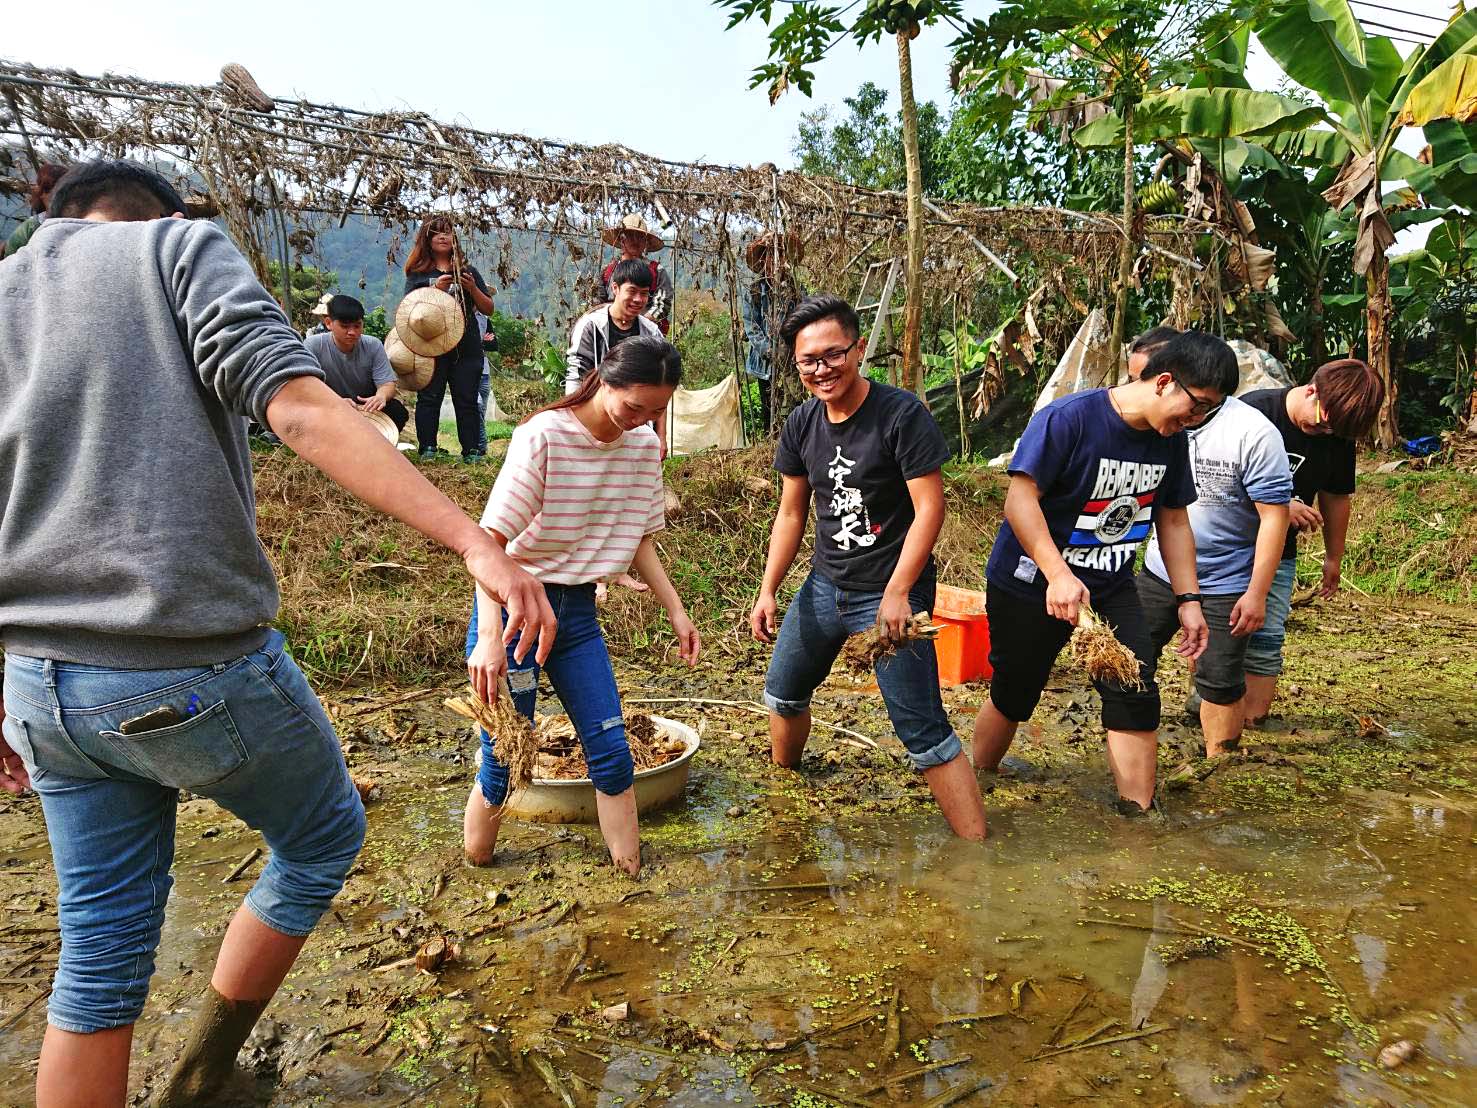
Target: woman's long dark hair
(642,360)
(421,259)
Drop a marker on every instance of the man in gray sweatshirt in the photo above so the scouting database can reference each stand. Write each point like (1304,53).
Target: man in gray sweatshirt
(136,606)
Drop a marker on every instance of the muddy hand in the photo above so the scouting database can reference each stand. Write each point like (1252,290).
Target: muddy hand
(893,615)
(486,665)
(529,616)
(1248,615)
(1065,597)
(1303,517)
(13,775)
(1194,634)
(689,642)
(764,619)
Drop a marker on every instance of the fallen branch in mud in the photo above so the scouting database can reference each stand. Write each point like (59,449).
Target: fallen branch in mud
(376,705)
(922,1071)
(1123,1038)
(968,1017)
(958,1093)
(242,866)
(545,1069)
(1179,928)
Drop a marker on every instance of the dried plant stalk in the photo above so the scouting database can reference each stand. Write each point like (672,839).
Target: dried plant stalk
(866,648)
(1098,651)
(514,740)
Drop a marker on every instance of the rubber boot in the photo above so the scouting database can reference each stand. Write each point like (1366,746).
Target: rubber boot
(208,1060)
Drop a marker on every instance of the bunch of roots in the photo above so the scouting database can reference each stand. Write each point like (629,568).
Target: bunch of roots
(866,648)
(1097,650)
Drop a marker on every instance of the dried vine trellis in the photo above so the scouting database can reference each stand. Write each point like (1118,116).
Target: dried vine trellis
(279,170)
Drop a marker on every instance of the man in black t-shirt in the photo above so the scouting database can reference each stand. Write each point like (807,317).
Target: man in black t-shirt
(1319,423)
(869,455)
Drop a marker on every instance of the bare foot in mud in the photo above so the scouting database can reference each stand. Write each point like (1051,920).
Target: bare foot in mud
(1011,769)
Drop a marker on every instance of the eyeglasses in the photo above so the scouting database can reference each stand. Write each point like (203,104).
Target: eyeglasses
(1200,407)
(831,359)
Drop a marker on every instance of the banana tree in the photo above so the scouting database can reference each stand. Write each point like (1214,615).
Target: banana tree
(1090,54)
(1370,94)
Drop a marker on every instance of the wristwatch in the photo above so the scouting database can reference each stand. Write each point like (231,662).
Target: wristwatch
(1186,597)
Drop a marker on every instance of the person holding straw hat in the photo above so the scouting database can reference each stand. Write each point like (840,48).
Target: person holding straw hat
(436,261)
(636,240)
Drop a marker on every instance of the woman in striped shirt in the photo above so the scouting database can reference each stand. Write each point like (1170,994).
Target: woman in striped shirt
(577,501)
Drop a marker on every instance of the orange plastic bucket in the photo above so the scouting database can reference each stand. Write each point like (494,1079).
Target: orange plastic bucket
(963,644)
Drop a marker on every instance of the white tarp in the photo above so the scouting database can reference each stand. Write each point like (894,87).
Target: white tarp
(703,418)
(1084,365)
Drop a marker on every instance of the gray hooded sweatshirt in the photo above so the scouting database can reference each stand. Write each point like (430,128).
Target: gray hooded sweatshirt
(130,355)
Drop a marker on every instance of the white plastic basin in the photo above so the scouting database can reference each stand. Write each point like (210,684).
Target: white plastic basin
(573,801)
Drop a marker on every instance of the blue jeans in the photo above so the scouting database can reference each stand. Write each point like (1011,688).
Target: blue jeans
(815,627)
(484,390)
(579,669)
(258,743)
(1264,646)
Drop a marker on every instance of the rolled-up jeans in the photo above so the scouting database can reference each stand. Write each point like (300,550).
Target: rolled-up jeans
(817,624)
(579,669)
(252,737)
(1264,645)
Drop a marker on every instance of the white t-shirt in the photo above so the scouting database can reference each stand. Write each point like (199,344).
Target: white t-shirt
(1239,461)
(574,508)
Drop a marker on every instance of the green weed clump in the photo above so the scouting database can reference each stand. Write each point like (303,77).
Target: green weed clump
(1411,535)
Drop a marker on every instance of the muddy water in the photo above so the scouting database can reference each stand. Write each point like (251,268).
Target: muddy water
(803,938)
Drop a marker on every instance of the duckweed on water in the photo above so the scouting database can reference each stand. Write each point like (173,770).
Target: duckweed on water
(1272,930)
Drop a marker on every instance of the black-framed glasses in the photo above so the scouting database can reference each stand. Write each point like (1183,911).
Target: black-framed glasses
(1200,407)
(831,359)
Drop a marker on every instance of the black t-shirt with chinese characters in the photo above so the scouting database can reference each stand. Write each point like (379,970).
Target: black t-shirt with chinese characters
(858,470)
(1319,463)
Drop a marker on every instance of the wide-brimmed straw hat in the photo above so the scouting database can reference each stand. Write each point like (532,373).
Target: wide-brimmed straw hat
(429,321)
(793,249)
(413,369)
(612,235)
(384,425)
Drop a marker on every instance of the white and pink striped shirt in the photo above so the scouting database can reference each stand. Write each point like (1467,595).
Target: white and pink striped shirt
(574,508)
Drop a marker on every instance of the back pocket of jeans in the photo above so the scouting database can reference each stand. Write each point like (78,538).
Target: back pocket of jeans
(192,754)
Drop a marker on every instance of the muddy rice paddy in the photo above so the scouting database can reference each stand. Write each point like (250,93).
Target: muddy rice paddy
(816,937)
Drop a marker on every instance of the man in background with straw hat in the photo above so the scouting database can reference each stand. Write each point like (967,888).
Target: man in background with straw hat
(636,240)
(136,608)
(355,364)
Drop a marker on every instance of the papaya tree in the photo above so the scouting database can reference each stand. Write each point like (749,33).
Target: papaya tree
(798,41)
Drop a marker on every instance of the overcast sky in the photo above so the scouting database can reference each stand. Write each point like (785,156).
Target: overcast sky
(660,76)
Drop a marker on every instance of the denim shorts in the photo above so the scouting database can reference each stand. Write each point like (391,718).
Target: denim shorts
(253,738)
(1264,646)
(579,669)
(817,624)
